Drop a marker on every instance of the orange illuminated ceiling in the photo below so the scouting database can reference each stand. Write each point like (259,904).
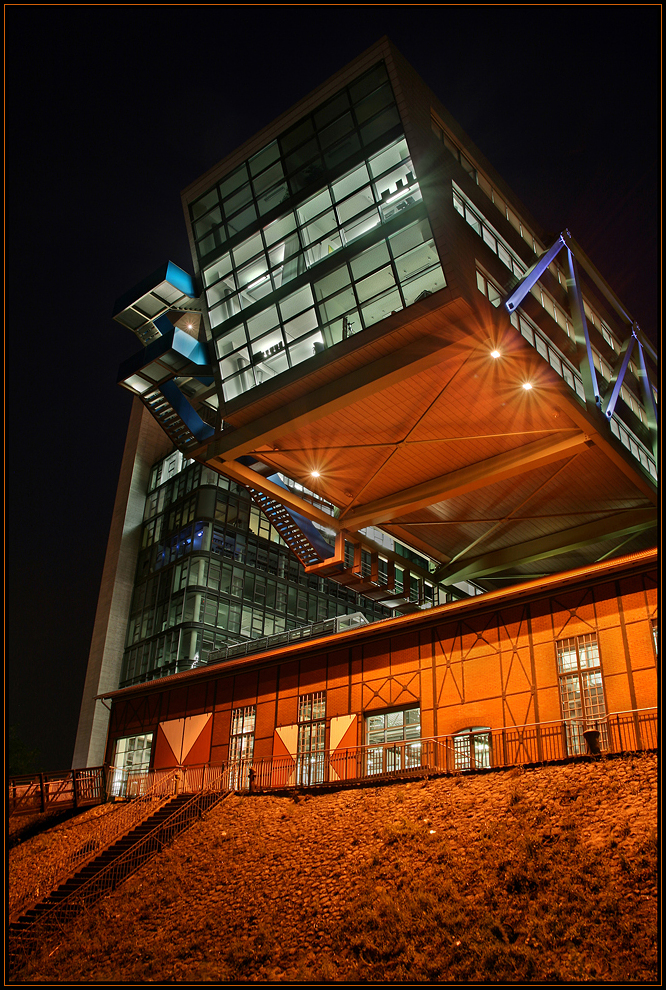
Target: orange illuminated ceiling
(416,428)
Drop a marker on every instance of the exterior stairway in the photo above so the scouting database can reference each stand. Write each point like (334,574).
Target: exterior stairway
(110,868)
(319,558)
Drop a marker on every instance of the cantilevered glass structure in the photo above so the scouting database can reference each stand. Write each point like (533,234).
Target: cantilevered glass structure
(386,384)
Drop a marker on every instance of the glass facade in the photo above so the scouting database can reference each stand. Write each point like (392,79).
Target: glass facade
(213,572)
(320,235)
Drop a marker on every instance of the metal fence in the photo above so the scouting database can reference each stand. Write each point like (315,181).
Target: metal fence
(210,789)
(541,742)
(153,790)
(41,792)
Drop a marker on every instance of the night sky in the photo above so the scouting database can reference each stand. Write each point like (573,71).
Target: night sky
(112,110)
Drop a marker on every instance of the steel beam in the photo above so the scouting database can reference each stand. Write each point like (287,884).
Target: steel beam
(339,394)
(583,345)
(624,523)
(594,274)
(617,377)
(649,404)
(467,479)
(533,274)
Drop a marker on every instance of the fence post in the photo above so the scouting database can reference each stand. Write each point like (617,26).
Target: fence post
(75,788)
(42,787)
(619,732)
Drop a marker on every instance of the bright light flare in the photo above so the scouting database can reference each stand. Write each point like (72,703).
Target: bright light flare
(527,386)
(495,354)
(315,474)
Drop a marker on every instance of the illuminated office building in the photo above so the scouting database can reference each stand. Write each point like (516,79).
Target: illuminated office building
(382,390)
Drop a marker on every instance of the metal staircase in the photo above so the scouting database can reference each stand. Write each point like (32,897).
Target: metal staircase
(103,874)
(297,532)
(176,416)
(319,558)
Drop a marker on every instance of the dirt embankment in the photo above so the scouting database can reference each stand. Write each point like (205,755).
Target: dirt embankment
(534,875)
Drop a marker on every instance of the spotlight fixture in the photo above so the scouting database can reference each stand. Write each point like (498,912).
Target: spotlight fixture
(527,386)
(495,354)
(315,474)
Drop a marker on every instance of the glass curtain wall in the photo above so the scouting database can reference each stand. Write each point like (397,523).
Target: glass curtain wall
(351,245)
(213,572)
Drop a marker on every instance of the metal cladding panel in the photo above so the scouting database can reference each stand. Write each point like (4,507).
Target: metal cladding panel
(180,280)
(163,753)
(200,749)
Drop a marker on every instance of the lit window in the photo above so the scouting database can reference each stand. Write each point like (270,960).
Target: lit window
(311,738)
(131,757)
(393,740)
(241,746)
(581,691)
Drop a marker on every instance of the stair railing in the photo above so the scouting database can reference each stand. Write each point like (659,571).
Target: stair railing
(123,866)
(150,794)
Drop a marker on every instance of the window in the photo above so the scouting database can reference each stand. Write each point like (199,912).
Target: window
(581,691)
(472,748)
(241,746)
(311,738)
(132,755)
(393,740)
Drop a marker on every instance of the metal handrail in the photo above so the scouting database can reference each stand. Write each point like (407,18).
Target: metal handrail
(123,866)
(156,787)
(537,742)
(39,792)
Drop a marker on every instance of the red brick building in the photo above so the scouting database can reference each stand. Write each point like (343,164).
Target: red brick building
(508,665)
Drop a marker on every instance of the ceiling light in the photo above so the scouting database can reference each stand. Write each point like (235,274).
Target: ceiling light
(315,474)
(527,386)
(495,354)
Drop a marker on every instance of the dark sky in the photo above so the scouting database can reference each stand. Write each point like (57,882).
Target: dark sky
(112,110)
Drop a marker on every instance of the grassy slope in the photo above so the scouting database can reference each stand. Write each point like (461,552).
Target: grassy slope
(544,875)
